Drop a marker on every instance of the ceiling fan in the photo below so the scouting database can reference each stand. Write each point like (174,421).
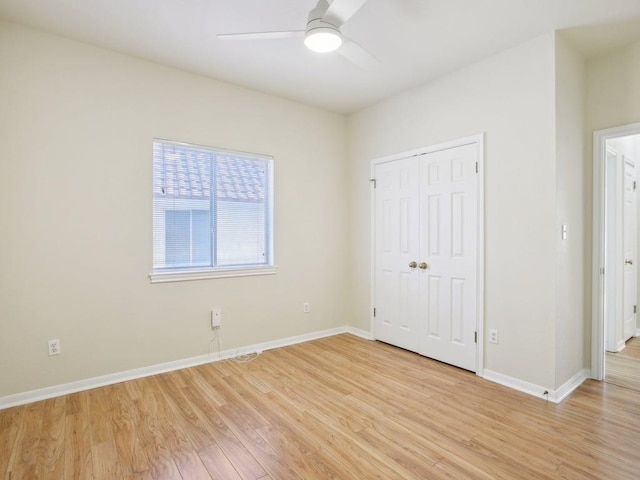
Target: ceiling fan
(322,33)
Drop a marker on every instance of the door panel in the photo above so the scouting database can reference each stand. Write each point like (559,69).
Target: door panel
(449,248)
(396,243)
(629,248)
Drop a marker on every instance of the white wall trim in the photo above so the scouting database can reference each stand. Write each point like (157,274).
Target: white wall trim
(516,384)
(166,277)
(555,396)
(569,386)
(360,333)
(637,332)
(478,138)
(110,379)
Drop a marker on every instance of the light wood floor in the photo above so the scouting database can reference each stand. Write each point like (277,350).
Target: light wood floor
(623,368)
(340,407)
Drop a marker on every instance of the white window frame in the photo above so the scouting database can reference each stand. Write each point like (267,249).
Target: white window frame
(222,272)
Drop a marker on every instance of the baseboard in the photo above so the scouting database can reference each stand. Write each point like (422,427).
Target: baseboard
(570,385)
(360,333)
(95,382)
(555,396)
(517,384)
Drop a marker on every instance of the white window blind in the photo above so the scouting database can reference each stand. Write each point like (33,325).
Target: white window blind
(212,209)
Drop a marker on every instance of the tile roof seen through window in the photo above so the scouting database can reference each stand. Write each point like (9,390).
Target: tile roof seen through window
(183,172)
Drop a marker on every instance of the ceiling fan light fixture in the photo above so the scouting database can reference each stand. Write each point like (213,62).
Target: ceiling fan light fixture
(323,39)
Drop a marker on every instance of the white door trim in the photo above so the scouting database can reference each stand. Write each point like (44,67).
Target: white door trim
(474,139)
(600,138)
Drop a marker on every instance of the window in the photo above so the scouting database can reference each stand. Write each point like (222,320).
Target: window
(212,212)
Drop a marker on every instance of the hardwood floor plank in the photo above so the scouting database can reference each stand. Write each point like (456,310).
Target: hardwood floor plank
(218,465)
(338,407)
(299,453)
(99,415)
(51,445)
(233,397)
(270,461)
(458,471)
(124,419)
(304,456)
(347,448)
(176,440)
(235,450)
(104,459)
(191,423)
(10,423)
(411,459)
(23,461)
(77,451)
(78,461)
(149,433)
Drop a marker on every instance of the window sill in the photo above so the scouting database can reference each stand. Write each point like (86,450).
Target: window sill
(206,274)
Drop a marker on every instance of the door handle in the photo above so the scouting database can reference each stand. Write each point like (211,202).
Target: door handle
(413,265)
(628,262)
(423,266)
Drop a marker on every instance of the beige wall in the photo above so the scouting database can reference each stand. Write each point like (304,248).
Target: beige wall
(510,97)
(76,130)
(612,89)
(571,321)
(76,126)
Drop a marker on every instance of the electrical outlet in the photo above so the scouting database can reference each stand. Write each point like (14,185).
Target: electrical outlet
(54,347)
(306,308)
(493,336)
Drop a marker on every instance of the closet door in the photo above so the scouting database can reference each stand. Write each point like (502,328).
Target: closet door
(426,241)
(448,255)
(396,253)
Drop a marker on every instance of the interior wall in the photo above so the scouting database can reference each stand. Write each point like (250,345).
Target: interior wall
(76,130)
(570,166)
(612,88)
(510,98)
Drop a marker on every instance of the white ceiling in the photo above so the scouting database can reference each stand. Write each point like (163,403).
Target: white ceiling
(414,40)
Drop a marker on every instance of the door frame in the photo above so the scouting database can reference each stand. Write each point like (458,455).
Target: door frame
(473,139)
(598,289)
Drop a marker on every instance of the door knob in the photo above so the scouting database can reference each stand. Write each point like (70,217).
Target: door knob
(628,262)
(423,266)
(413,265)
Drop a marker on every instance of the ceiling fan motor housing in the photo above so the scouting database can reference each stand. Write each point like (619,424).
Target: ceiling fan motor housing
(321,35)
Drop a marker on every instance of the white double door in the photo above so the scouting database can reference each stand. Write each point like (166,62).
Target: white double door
(426,243)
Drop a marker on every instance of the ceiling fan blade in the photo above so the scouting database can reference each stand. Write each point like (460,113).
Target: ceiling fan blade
(261,35)
(358,55)
(340,11)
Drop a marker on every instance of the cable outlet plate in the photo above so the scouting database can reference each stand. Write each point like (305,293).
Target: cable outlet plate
(54,347)
(216,317)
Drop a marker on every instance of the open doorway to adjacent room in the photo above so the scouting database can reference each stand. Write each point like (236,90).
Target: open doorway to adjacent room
(615,339)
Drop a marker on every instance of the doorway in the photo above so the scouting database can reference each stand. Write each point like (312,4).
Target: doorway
(615,252)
